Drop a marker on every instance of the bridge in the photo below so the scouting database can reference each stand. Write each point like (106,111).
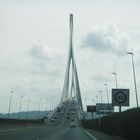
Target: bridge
(65,122)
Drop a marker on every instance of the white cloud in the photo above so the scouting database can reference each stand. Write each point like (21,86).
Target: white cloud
(39,59)
(107,39)
(43,67)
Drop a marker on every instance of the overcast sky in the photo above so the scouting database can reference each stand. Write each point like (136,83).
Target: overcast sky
(34,42)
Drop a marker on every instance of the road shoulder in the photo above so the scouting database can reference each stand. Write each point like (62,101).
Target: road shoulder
(95,135)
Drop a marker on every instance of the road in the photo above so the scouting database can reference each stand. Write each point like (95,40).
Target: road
(47,133)
(63,125)
(57,128)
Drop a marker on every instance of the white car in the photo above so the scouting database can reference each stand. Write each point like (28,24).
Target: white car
(72,124)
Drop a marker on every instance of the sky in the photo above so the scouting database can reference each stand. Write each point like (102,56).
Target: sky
(34,43)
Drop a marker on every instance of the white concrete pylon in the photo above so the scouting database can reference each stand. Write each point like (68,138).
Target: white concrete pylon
(71,81)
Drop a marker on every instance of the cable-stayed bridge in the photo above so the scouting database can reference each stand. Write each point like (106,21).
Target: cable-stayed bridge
(71,88)
(65,122)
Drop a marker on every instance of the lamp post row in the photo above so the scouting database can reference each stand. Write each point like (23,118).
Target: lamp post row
(28,104)
(116,83)
(115,76)
(134,75)
(10,104)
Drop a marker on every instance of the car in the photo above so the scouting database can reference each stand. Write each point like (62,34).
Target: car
(73,124)
(52,120)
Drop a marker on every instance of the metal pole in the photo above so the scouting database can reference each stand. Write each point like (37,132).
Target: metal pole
(39,108)
(107,93)
(20,106)
(97,98)
(10,104)
(115,76)
(134,75)
(50,104)
(27,108)
(116,82)
(46,105)
(101,96)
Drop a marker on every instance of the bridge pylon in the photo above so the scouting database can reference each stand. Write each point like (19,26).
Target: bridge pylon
(71,87)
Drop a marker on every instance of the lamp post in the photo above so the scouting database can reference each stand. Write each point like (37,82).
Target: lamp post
(39,108)
(20,105)
(107,92)
(101,96)
(116,83)
(97,99)
(10,103)
(50,103)
(28,108)
(46,105)
(115,76)
(134,75)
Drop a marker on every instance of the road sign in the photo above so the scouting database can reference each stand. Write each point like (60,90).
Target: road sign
(104,107)
(91,108)
(120,97)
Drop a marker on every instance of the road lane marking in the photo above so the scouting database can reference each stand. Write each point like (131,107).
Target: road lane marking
(90,135)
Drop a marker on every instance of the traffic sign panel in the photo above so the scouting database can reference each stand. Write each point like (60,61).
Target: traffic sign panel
(120,97)
(91,108)
(105,107)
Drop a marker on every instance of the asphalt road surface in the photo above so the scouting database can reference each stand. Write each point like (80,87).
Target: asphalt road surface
(63,125)
(47,133)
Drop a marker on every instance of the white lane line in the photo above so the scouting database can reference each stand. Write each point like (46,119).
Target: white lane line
(90,135)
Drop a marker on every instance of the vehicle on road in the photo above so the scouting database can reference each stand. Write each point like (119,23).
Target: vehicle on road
(52,120)
(73,124)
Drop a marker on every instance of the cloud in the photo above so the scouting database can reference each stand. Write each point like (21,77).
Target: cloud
(44,61)
(37,52)
(107,39)
(40,59)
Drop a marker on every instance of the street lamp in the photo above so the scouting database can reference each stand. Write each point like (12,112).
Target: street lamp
(10,103)
(28,108)
(97,98)
(101,96)
(115,76)
(39,108)
(134,75)
(107,92)
(46,105)
(20,105)
(50,104)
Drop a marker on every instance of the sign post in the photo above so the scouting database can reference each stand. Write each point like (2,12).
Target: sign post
(91,108)
(120,97)
(104,107)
